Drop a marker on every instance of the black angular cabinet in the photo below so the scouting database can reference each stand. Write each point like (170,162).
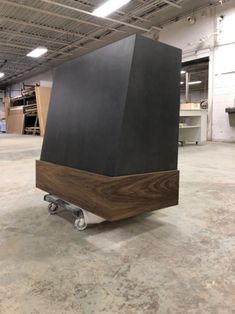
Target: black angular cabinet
(111,139)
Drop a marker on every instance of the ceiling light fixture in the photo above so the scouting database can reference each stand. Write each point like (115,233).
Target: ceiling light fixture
(2,75)
(182,72)
(109,7)
(181,83)
(194,82)
(37,52)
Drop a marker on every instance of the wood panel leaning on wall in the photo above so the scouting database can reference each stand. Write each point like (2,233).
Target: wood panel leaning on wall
(43,95)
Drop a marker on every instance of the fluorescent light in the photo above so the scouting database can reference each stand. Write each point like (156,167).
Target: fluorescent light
(37,52)
(194,82)
(181,83)
(2,74)
(182,72)
(109,7)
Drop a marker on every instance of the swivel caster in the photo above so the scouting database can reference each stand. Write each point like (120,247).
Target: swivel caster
(80,223)
(52,209)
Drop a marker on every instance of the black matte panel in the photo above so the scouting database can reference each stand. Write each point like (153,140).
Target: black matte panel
(149,140)
(115,111)
(87,103)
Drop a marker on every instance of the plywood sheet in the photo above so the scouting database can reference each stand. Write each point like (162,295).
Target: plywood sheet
(15,120)
(43,95)
(7,104)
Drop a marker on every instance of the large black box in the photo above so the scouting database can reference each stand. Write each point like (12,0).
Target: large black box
(115,111)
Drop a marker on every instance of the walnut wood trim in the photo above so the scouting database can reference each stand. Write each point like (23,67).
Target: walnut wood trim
(112,198)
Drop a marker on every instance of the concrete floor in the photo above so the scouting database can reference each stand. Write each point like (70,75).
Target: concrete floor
(177,260)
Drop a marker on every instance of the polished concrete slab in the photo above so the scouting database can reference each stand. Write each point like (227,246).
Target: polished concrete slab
(177,260)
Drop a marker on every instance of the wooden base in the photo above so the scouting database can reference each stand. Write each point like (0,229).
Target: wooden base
(112,198)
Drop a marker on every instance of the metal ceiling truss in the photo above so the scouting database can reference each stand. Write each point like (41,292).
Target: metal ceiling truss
(68,29)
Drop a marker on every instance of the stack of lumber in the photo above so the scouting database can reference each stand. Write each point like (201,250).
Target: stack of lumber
(28,90)
(32,130)
(30,110)
(17,101)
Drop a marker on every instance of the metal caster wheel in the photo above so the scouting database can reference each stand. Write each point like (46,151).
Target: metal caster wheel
(52,208)
(80,223)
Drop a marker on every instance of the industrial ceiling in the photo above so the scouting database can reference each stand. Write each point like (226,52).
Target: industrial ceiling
(68,29)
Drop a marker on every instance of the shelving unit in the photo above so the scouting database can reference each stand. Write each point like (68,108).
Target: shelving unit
(27,113)
(31,120)
(193,126)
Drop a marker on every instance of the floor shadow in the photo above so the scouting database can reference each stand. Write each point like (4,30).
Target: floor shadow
(134,225)
(34,223)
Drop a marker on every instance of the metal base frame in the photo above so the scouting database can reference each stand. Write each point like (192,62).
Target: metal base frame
(83,218)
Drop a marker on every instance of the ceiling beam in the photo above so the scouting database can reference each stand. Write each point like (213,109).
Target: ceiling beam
(32,36)
(66,17)
(48,28)
(140,10)
(119,12)
(173,4)
(12,67)
(105,18)
(41,38)
(6,52)
(28,7)
(26,47)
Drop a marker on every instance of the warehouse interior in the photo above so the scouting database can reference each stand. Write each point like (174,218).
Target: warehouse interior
(178,259)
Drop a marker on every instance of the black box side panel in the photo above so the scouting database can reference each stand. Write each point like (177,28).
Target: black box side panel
(87,104)
(149,139)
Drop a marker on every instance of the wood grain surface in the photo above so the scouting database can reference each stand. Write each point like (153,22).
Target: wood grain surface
(43,95)
(112,198)
(15,120)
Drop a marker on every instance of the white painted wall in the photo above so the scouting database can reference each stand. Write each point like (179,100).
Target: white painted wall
(200,40)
